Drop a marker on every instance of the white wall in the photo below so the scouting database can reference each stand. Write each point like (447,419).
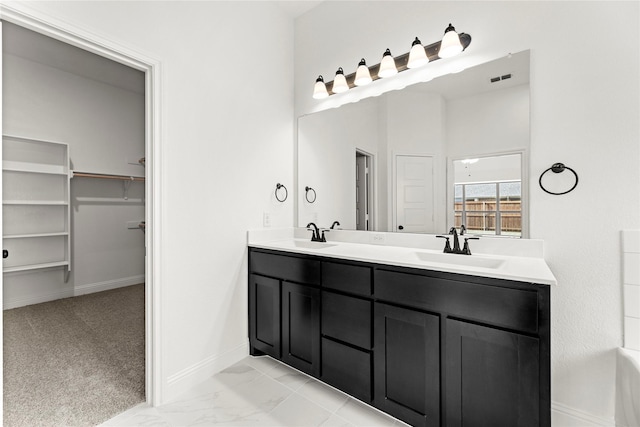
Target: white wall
(584,113)
(227,138)
(104,126)
(494,122)
(327,152)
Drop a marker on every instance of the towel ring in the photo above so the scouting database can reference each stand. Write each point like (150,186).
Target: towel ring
(286,192)
(306,195)
(558,168)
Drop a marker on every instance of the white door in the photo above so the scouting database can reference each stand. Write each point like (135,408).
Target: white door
(414,194)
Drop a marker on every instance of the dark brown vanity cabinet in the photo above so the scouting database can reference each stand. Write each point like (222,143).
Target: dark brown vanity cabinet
(430,348)
(264,321)
(284,309)
(347,339)
(492,377)
(301,327)
(407,364)
(494,356)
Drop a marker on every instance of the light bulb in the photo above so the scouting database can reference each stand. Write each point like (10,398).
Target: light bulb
(417,55)
(340,82)
(363,76)
(387,65)
(450,44)
(320,90)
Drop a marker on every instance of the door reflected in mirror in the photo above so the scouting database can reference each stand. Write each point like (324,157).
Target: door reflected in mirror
(488,195)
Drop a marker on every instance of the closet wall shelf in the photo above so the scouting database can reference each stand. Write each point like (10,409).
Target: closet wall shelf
(33,235)
(35,266)
(26,167)
(35,202)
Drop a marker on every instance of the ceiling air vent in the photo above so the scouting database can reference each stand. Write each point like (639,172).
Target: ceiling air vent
(503,77)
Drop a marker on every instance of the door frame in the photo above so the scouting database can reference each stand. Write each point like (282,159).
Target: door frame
(394,183)
(19,14)
(371,188)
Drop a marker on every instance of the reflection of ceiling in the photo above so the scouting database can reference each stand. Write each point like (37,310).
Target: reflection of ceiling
(45,50)
(297,8)
(476,80)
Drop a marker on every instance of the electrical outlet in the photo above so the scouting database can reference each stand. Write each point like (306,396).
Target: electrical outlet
(377,238)
(266,219)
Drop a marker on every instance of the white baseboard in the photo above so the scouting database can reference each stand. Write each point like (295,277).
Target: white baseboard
(109,284)
(184,380)
(566,416)
(9,303)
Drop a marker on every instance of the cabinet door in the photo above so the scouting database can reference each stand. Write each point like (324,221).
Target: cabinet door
(407,364)
(264,315)
(301,327)
(492,377)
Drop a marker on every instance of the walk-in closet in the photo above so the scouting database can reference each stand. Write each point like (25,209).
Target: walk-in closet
(73,229)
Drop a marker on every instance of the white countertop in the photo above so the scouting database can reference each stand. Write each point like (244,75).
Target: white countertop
(528,269)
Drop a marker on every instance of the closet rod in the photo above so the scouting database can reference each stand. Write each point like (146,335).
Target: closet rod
(106,176)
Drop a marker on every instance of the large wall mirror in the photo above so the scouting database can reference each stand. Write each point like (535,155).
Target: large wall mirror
(424,158)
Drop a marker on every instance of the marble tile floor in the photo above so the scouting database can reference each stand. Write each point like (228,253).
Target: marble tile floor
(258,391)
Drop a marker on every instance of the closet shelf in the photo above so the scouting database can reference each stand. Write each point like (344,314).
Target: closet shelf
(36,175)
(25,167)
(34,235)
(35,202)
(35,266)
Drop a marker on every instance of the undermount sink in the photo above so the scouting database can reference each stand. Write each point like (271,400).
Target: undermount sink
(311,245)
(461,260)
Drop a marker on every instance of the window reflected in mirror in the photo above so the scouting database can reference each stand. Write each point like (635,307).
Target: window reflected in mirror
(488,195)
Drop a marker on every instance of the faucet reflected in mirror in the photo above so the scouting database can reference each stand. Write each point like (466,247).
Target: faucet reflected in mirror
(453,117)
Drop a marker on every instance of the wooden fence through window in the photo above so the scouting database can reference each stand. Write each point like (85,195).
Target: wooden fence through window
(481,215)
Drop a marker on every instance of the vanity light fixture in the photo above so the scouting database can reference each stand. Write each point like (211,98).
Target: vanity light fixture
(320,89)
(451,44)
(363,76)
(417,55)
(387,65)
(339,82)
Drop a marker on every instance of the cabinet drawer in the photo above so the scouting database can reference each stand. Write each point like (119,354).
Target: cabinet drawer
(347,319)
(292,268)
(510,308)
(348,278)
(347,368)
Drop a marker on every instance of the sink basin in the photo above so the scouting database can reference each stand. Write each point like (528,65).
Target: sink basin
(461,260)
(307,244)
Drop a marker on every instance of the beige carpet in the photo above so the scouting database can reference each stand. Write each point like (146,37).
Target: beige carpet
(76,361)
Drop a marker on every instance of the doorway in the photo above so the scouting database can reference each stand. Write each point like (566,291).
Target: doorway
(364,191)
(150,69)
